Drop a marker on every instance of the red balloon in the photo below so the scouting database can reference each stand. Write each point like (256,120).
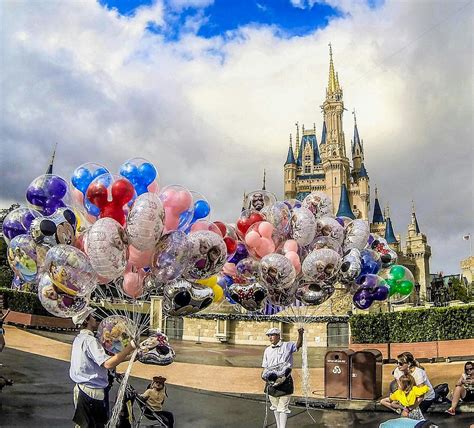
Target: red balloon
(231,245)
(114,211)
(244,223)
(97,194)
(222,227)
(122,191)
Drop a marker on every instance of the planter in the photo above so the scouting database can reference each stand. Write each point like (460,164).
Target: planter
(30,320)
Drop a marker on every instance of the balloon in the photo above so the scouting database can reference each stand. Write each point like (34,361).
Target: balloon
(371,288)
(105,244)
(292,203)
(140,259)
(314,294)
(277,271)
(142,174)
(183,298)
(303,226)
(351,267)
(258,199)
(145,222)
(319,204)
(218,294)
(326,242)
(370,262)
(208,254)
(321,265)
(387,255)
(115,333)
(22,257)
(56,302)
(18,222)
(208,282)
(70,270)
(240,253)
(132,284)
(111,195)
(401,282)
(290,245)
(265,229)
(250,296)
(172,256)
(277,374)
(156,350)
(205,225)
(201,210)
(331,228)
(230,269)
(248,269)
(294,258)
(247,218)
(362,299)
(279,216)
(178,204)
(60,228)
(356,234)
(282,297)
(260,245)
(47,193)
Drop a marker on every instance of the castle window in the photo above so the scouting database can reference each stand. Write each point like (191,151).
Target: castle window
(335,180)
(307,169)
(307,157)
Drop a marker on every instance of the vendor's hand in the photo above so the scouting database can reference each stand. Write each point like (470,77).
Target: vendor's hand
(405,413)
(301,330)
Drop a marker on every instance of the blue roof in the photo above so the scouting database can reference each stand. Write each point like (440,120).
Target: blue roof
(323,136)
(378,216)
(290,158)
(356,140)
(389,235)
(414,220)
(363,171)
(309,139)
(344,204)
(300,153)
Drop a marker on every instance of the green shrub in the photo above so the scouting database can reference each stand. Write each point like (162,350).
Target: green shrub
(416,325)
(23,301)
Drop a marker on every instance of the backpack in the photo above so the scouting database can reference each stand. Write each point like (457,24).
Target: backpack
(441,393)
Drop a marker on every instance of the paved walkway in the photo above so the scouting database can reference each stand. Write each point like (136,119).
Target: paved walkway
(231,378)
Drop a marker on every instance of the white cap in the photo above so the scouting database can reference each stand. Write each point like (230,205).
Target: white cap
(273,330)
(79,318)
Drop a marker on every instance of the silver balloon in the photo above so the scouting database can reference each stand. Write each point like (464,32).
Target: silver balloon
(277,271)
(152,286)
(329,227)
(156,350)
(183,298)
(314,294)
(250,297)
(248,269)
(326,242)
(145,222)
(321,265)
(259,199)
(277,374)
(351,267)
(172,256)
(319,204)
(303,226)
(356,235)
(208,254)
(58,228)
(282,297)
(388,256)
(279,215)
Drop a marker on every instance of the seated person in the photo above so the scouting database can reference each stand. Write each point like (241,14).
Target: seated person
(407,398)
(155,397)
(464,389)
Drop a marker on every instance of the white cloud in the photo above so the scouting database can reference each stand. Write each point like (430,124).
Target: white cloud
(212,113)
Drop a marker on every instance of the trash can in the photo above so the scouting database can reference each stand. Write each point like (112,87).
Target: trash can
(337,374)
(366,375)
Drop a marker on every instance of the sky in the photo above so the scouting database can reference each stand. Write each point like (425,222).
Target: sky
(209,90)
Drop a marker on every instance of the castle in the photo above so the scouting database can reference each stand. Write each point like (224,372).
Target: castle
(326,167)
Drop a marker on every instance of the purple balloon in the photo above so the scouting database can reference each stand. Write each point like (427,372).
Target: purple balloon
(380,293)
(36,196)
(52,205)
(363,299)
(369,281)
(240,254)
(56,187)
(13,228)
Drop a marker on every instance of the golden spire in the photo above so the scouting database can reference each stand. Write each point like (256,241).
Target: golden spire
(332,82)
(297,142)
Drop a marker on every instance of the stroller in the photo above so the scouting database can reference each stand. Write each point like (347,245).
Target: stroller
(147,416)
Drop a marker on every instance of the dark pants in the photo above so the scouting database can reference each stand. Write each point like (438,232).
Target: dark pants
(425,404)
(167,417)
(91,413)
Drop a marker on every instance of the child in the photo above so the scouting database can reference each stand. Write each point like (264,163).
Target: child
(406,399)
(155,397)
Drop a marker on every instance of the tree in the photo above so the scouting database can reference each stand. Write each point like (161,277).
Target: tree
(458,291)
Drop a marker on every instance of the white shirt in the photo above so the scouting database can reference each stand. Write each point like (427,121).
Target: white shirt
(282,352)
(420,378)
(87,358)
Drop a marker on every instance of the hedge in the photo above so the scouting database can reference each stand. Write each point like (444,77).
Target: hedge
(23,301)
(418,325)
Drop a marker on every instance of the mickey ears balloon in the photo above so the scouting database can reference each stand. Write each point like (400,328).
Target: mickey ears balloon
(18,222)
(47,193)
(201,211)
(142,174)
(56,229)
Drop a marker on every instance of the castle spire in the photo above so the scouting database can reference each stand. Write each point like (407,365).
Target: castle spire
(414,221)
(344,209)
(332,81)
(378,216)
(323,135)
(389,234)
(297,142)
(51,163)
(290,158)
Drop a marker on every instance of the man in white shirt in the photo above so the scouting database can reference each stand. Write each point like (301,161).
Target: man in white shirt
(277,354)
(89,370)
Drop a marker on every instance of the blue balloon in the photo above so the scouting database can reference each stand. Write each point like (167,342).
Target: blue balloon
(370,263)
(147,173)
(140,177)
(81,179)
(99,171)
(201,210)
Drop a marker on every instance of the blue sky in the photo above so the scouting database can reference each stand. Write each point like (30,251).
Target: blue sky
(227,15)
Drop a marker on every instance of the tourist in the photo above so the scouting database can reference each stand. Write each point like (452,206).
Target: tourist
(155,397)
(2,331)
(407,398)
(89,371)
(280,352)
(464,389)
(406,364)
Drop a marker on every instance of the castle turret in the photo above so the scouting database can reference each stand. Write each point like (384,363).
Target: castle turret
(290,173)
(357,151)
(344,204)
(378,223)
(389,233)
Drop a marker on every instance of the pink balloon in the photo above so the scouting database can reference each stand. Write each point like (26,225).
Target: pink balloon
(230,269)
(133,281)
(265,247)
(185,200)
(252,239)
(290,245)
(170,198)
(265,229)
(153,187)
(171,219)
(139,259)
(294,258)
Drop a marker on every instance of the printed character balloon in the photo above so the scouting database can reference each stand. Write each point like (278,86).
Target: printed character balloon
(115,333)
(56,302)
(47,193)
(60,228)
(319,204)
(276,374)
(156,350)
(183,298)
(279,216)
(258,199)
(356,235)
(303,226)
(401,283)
(329,227)
(314,294)
(70,270)
(208,254)
(111,194)
(321,265)
(277,271)
(351,267)
(172,256)
(142,174)
(145,222)
(250,297)
(388,256)
(18,222)
(105,244)
(22,257)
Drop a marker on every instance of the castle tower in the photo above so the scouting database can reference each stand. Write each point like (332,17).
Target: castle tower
(344,209)
(389,233)
(418,250)
(378,223)
(290,173)
(334,160)
(357,150)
